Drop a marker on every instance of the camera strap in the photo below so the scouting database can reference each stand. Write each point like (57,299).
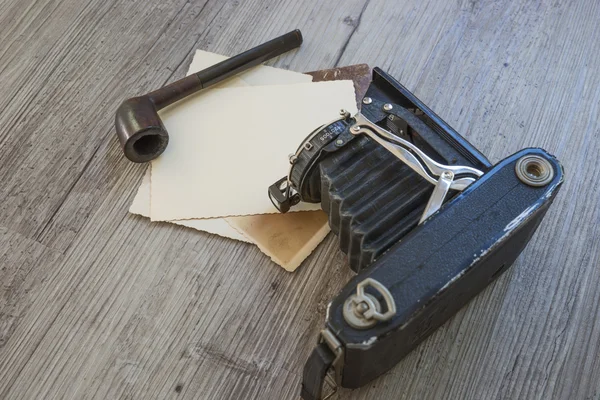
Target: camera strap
(315,372)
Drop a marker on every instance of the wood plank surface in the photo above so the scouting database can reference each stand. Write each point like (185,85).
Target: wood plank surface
(97,303)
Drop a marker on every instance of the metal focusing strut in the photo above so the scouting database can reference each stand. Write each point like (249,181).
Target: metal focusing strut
(439,194)
(440,175)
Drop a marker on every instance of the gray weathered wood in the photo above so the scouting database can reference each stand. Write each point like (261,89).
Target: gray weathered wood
(97,303)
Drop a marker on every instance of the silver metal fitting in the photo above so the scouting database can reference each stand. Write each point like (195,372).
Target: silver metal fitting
(387,107)
(367,100)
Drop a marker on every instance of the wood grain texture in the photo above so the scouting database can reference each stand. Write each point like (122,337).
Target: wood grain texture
(97,303)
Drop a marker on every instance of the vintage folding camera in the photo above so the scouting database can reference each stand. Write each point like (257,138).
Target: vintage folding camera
(426,220)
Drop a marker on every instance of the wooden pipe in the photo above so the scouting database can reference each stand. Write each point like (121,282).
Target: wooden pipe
(142,134)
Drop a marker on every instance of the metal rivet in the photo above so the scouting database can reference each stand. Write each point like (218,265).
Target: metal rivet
(355,129)
(367,100)
(292,158)
(447,175)
(387,107)
(339,142)
(362,308)
(534,170)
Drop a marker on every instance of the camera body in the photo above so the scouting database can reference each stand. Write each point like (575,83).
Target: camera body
(426,220)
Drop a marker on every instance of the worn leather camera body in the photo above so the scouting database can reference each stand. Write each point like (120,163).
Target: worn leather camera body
(426,220)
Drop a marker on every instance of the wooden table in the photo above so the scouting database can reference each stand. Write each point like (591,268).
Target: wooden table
(97,303)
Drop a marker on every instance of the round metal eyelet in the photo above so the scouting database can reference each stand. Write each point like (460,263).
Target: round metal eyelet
(534,170)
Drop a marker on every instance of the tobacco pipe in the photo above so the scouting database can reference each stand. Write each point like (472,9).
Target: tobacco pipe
(142,134)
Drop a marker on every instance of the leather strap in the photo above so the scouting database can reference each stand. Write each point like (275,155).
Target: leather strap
(315,370)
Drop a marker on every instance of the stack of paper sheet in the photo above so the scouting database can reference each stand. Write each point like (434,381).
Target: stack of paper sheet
(228,144)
